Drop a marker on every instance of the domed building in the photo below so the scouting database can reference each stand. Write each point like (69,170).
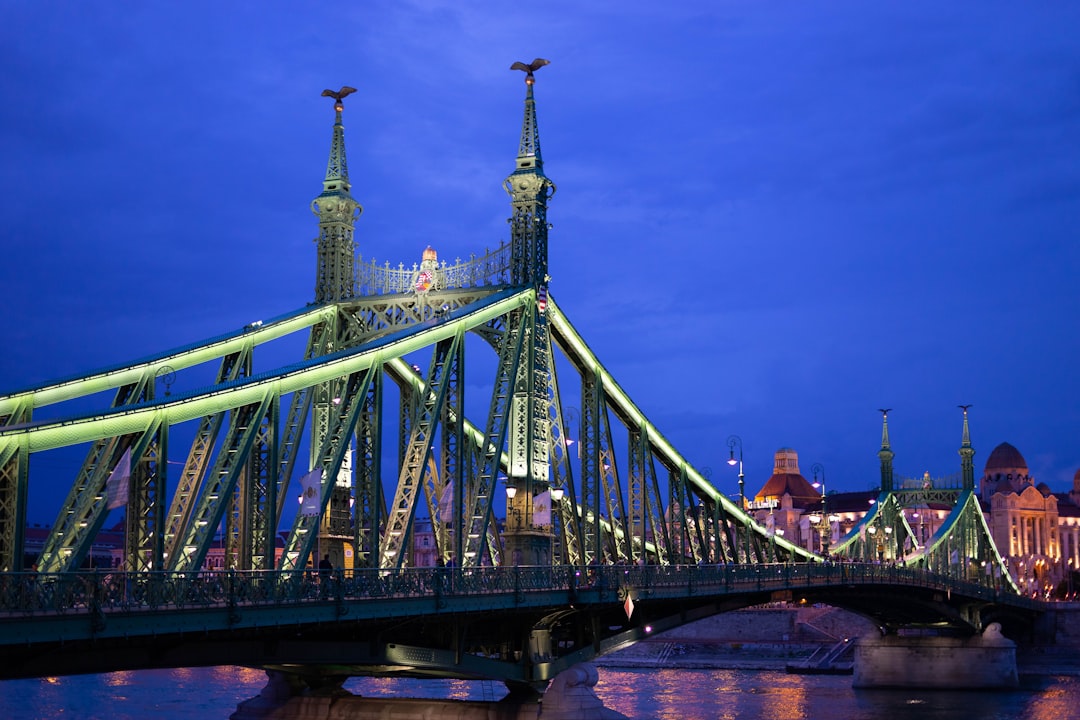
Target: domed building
(1023,518)
(787,480)
(1036,530)
(785,496)
(1005,471)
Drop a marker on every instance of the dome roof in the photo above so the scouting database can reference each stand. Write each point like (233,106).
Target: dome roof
(793,484)
(1005,457)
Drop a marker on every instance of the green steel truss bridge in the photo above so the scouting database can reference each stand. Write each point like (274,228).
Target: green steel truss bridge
(607,536)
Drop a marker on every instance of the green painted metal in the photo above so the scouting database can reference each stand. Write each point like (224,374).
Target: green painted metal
(403,508)
(354,343)
(113,378)
(14,482)
(370,504)
(145,511)
(221,483)
(182,407)
(344,418)
(337,211)
(481,494)
(529,190)
(575,347)
(84,510)
(193,475)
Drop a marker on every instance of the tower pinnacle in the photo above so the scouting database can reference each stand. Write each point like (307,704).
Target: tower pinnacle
(967,454)
(337,211)
(529,190)
(885,454)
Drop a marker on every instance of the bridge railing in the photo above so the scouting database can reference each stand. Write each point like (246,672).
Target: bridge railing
(491,268)
(31,594)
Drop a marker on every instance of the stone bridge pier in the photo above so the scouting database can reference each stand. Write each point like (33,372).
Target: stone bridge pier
(569,696)
(986,661)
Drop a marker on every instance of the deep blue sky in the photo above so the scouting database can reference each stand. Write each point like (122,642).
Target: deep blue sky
(771,220)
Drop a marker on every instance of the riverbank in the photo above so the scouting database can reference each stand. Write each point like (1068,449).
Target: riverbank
(775,637)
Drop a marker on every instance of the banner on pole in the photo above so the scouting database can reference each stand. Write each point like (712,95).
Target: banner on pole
(311,497)
(116,487)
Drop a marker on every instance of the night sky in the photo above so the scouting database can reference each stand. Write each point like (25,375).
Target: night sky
(772,219)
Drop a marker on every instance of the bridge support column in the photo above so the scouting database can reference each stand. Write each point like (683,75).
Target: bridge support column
(986,661)
(570,696)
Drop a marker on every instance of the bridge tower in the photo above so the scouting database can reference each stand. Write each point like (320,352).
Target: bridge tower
(527,537)
(967,455)
(337,211)
(335,282)
(885,455)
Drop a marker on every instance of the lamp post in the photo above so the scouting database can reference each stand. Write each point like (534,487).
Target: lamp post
(881,534)
(734,441)
(570,416)
(823,524)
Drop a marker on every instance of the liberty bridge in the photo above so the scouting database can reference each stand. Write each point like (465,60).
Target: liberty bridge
(607,536)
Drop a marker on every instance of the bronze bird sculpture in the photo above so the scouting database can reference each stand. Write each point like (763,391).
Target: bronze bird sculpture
(345,90)
(530,68)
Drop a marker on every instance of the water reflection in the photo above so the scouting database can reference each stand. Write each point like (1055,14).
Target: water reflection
(640,694)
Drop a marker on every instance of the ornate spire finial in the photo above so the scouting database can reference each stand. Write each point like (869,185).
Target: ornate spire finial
(530,68)
(884,427)
(337,211)
(339,96)
(529,190)
(885,454)
(529,150)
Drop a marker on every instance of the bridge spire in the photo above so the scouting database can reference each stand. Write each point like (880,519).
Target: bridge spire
(337,211)
(967,454)
(885,454)
(529,190)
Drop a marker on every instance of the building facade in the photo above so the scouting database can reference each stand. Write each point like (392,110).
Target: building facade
(1036,530)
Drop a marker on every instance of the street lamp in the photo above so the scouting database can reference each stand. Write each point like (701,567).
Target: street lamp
(570,416)
(821,522)
(734,441)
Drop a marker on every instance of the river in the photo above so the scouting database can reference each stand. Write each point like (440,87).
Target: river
(641,694)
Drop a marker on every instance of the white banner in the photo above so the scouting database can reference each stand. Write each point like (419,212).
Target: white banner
(542,508)
(116,487)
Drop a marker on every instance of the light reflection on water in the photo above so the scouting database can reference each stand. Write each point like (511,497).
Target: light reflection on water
(640,694)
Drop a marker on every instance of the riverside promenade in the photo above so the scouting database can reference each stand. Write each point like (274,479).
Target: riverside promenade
(770,638)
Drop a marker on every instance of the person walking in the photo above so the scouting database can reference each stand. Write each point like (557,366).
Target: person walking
(326,569)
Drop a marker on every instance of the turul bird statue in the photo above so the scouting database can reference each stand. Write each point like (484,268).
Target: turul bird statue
(339,95)
(530,68)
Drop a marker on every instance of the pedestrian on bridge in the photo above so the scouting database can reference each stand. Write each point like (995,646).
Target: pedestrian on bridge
(326,569)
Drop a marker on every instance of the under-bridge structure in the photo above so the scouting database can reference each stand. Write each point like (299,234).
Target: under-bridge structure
(565,524)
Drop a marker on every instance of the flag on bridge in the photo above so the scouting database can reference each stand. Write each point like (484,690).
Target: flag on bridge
(542,508)
(541,299)
(311,497)
(116,487)
(628,606)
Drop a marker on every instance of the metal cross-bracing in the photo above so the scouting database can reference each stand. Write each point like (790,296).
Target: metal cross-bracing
(520,625)
(962,547)
(457,404)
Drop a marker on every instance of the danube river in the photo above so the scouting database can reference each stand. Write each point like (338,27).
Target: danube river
(213,694)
